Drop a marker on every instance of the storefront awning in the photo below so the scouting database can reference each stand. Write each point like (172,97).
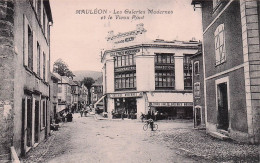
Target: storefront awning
(165,99)
(95,105)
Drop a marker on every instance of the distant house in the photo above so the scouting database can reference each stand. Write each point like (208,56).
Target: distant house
(97,92)
(75,91)
(64,94)
(53,95)
(198,89)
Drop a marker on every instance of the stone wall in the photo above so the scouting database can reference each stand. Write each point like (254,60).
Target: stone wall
(7,55)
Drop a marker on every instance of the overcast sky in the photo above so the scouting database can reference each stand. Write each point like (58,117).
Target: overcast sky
(78,38)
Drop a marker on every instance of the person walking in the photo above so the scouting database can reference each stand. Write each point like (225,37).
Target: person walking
(142,116)
(123,114)
(155,115)
(81,112)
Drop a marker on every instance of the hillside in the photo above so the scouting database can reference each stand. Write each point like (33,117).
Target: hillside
(79,75)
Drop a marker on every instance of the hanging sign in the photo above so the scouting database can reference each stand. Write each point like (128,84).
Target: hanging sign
(170,104)
(122,95)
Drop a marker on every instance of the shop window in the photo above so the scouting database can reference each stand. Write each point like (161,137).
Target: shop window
(125,80)
(197,90)
(187,68)
(164,71)
(220,51)
(196,68)
(125,60)
(164,58)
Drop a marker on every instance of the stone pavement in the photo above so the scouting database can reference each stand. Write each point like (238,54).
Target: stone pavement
(89,140)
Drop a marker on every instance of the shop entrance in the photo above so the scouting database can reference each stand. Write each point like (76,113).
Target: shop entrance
(174,113)
(125,106)
(197,115)
(223,121)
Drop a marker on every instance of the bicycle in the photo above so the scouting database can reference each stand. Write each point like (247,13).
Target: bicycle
(148,124)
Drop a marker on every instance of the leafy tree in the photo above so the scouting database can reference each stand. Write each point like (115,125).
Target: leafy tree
(62,69)
(88,82)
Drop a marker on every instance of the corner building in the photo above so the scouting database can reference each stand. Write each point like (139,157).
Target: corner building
(139,74)
(231,59)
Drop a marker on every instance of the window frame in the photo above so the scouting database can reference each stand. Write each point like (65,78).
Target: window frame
(187,71)
(196,88)
(198,67)
(164,78)
(220,55)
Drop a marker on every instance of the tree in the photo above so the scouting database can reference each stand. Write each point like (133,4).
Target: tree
(88,82)
(62,69)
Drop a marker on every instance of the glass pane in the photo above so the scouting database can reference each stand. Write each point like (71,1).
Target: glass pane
(159,58)
(130,59)
(172,59)
(168,59)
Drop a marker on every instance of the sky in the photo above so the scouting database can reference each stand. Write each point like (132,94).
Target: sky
(78,38)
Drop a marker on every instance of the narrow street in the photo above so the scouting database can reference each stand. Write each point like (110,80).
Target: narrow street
(89,140)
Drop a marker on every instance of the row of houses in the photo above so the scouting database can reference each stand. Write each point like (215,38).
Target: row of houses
(29,94)
(67,95)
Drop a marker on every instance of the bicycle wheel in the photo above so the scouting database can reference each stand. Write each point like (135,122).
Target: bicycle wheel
(145,127)
(155,127)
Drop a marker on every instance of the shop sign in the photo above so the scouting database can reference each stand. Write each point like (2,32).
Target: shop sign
(122,95)
(125,52)
(125,40)
(125,69)
(169,104)
(164,67)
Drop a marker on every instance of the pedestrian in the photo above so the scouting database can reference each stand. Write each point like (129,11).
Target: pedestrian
(155,115)
(85,112)
(81,111)
(122,115)
(149,114)
(151,123)
(142,117)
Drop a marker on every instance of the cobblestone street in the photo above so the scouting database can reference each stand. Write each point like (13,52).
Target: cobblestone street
(89,140)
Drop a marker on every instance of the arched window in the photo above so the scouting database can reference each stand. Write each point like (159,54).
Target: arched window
(220,44)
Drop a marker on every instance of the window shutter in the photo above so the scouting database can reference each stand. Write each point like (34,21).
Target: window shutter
(25,41)
(34,52)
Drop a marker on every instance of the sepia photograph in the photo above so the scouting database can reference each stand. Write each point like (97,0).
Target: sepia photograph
(129,81)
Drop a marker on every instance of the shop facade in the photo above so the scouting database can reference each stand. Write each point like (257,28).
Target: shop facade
(141,75)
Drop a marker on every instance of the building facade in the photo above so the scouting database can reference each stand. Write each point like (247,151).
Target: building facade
(198,89)
(75,91)
(141,75)
(97,93)
(64,93)
(231,58)
(24,73)
(53,96)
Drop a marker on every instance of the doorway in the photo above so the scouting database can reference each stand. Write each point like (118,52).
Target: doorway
(222,103)
(29,123)
(36,127)
(197,117)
